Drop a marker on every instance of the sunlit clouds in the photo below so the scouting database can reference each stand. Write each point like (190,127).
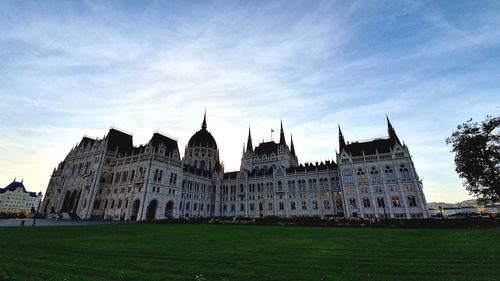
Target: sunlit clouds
(70,69)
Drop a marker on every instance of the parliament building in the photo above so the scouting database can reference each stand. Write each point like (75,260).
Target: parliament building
(110,178)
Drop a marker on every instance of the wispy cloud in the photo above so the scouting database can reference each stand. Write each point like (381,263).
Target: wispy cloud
(75,68)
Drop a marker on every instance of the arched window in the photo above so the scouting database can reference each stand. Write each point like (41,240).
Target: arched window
(380,202)
(292,205)
(389,173)
(282,206)
(338,203)
(352,203)
(112,204)
(405,173)
(374,175)
(315,204)
(187,205)
(105,204)
(202,165)
(270,206)
(348,177)
(304,205)
(412,201)
(361,174)
(326,204)
(132,175)
(366,202)
(119,203)
(396,202)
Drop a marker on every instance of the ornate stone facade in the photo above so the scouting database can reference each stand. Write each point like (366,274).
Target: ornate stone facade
(110,178)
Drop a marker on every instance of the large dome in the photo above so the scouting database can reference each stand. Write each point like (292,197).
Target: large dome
(203,138)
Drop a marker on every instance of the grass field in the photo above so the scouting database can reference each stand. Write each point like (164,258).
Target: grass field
(228,252)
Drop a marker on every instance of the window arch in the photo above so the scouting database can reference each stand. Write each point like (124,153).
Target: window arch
(315,204)
(326,205)
(374,174)
(405,173)
(396,202)
(389,173)
(412,201)
(380,202)
(352,203)
(361,174)
(366,202)
(348,176)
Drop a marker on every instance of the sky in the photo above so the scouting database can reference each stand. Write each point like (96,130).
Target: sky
(75,68)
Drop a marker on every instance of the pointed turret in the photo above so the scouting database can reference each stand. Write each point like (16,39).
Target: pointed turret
(204,124)
(292,147)
(341,140)
(282,135)
(392,133)
(249,141)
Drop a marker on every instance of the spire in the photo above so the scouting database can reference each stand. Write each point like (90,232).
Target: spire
(390,130)
(204,124)
(282,134)
(341,139)
(249,141)
(292,148)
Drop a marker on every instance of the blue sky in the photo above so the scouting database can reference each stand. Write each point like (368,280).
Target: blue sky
(71,68)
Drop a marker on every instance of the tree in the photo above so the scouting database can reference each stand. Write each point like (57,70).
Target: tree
(477,157)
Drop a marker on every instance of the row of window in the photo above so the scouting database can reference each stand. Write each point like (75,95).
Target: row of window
(268,186)
(82,168)
(194,186)
(412,202)
(97,204)
(281,206)
(375,176)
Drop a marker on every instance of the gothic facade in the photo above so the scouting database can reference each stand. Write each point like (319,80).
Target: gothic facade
(110,178)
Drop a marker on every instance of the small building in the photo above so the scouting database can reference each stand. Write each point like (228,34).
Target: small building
(14,198)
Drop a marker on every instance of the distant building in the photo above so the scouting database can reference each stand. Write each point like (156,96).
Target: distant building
(14,198)
(110,178)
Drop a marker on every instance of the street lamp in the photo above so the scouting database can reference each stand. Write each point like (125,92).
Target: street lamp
(37,210)
(382,203)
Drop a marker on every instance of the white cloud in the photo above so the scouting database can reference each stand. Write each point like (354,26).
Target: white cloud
(71,70)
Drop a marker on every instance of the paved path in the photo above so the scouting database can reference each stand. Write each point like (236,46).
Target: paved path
(49,222)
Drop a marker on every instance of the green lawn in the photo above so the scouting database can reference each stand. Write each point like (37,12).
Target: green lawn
(227,252)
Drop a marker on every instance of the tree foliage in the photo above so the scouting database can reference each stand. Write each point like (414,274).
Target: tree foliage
(477,157)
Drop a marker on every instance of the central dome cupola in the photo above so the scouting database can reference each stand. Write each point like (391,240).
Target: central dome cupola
(203,138)
(201,151)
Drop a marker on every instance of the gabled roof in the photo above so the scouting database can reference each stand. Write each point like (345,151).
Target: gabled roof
(266,148)
(15,185)
(119,139)
(370,147)
(170,144)
(87,141)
